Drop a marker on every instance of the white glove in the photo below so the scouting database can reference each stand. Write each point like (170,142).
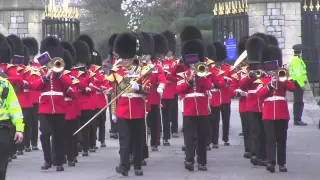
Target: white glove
(108,91)
(25,82)
(135,85)
(226,78)
(160,91)
(18,137)
(209,94)
(151,65)
(87,89)
(114,118)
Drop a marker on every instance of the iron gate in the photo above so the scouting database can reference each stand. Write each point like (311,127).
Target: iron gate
(230,20)
(310,32)
(64,28)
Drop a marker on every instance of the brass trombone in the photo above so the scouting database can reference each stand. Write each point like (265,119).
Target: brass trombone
(201,69)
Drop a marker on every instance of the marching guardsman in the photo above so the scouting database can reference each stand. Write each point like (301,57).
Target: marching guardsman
(87,105)
(170,97)
(228,73)
(298,74)
(71,114)
(114,58)
(254,103)
(33,48)
(242,94)
(194,85)
(158,81)
(160,50)
(130,80)
(218,83)
(53,86)
(275,112)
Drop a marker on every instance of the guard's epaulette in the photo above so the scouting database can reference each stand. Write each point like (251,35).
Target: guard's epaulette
(115,68)
(220,72)
(79,73)
(109,78)
(92,74)
(37,73)
(66,72)
(235,76)
(75,81)
(244,70)
(258,81)
(10,65)
(182,74)
(21,68)
(96,68)
(210,61)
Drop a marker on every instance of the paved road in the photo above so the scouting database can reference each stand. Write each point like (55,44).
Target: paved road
(225,163)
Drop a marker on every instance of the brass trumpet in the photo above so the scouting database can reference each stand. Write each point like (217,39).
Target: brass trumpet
(201,69)
(57,64)
(282,74)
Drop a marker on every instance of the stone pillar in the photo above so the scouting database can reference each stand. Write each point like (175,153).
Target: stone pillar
(281,18)
(23,18)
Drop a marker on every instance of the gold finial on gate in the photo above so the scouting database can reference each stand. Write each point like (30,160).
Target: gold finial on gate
(246,6)
(311,6)
(318,5)
(227,9)
(223,8)
(233,9)
(305,7)
(215,10)
(220,9)
(240,7)
(236,7)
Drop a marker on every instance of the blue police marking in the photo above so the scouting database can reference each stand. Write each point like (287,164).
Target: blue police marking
(231,48)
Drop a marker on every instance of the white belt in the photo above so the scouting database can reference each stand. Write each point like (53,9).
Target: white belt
(275,98)
(52,93)
(215,90)
(194,95)
(67,99)
(132,95)
(252,91)
(99,93)
(26,90)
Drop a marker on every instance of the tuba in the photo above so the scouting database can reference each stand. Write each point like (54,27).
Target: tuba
(201,69)
(57,64)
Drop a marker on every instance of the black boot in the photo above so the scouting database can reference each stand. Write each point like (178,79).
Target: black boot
(143,162)
(166,143)
(300,123)
(262,162)
(226,143)
(46,166)
(85,154)
(35,148)
(114,135)
(183,148)
(175,135)
(59,168)
(254,160)
(103,144)
(122,170)
(20,153)
(27,149)
(283,168)
(188,166)
(208,148)
(247,155)
(138,172)
(202,167)
(270,168)
(154,148)
(215,146)
(14,156)
(71,164)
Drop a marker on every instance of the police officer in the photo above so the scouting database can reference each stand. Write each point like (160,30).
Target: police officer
(298,74)
(10,112)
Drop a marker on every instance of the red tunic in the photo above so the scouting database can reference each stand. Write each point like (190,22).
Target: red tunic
(275,106)
(98,80)
(35,94)
(218,84)
(168,67)
(157,79)
(227,71)
(196,98)
(23,92)
(53,93)
(71,100)
(242,100)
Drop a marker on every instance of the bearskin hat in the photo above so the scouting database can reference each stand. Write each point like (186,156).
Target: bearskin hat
(17,43)
(5,50)
(32,45)
(273,40)
(26,55)
(11,44)
(270,53)
(68,60)
(142,44)
(53,46)
(190,32)
(194,46)
(254,46)
(98,59)
(160,44)
(220,51)
(149,43)
(111,42)
(171,40)
(126,45)
(82,52)
(211,52)
(87,39)
(242,45)
(262,36)
(69,47)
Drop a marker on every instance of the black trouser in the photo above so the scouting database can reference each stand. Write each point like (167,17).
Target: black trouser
(276,136)
(298,103)
(71,126)
(145,150)
(174,115)
(130,136)
(246,130)
(5,150)
(102,126)
(28,123)
(196,129)
(154,119)
(77,137)
(166,117)
(35,125)
(53,125)
(258,145)
(215,121)
(93,130)
(85,116)
(14,145)
(225,116)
